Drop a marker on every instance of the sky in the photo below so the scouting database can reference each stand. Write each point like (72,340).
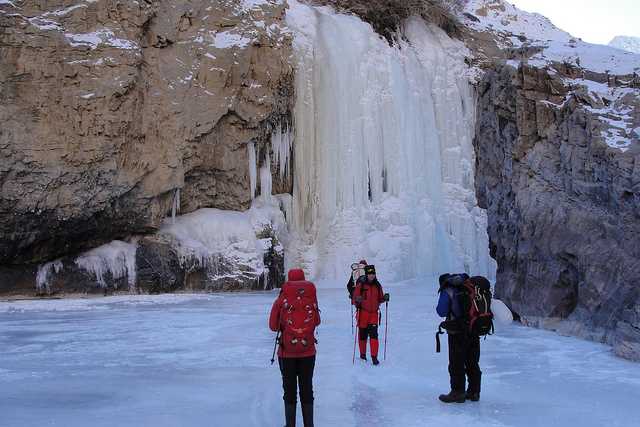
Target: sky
(594,21)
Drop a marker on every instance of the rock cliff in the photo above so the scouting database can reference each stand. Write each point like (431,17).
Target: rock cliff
(110,106)
(558,169)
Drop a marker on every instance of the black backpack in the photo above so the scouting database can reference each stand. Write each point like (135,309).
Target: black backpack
(474,297)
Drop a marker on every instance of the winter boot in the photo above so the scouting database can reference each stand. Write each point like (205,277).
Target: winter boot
(375,360)
(363,356)
(290,414)
(474,397)
(453,397)
(307,414)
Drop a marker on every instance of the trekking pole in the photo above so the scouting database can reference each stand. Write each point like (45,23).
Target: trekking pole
(275,345)
(355,340)
(386,326)
(351,318)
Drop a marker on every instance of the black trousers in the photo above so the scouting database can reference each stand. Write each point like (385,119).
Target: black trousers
(297,372)
(464,359)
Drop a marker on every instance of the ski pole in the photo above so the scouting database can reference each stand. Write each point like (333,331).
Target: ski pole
(275,345)
(355,340)
(386,326)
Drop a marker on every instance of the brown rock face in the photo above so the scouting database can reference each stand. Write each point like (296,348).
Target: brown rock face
(107,107)
(563,206)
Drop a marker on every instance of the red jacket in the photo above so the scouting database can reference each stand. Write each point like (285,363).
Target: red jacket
(297,281)
(371,293)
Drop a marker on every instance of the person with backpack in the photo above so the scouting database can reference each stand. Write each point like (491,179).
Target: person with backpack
(367,297)
(295,315)
(465,303)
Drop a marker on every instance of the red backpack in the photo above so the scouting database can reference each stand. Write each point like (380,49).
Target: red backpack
(475,299)
(298,317)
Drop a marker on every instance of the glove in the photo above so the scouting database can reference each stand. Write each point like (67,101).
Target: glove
(386,297)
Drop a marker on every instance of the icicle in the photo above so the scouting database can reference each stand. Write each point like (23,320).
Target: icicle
(116,258)
(44,273)
(281,145)
(265,178)
(176,205)
(253,166)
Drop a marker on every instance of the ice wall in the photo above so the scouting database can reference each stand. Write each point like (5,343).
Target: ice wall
(383,164)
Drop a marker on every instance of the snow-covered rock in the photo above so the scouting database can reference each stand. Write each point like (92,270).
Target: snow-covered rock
(516,29)
(501,313)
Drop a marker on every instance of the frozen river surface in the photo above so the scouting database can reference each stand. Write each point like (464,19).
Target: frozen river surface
(203,360)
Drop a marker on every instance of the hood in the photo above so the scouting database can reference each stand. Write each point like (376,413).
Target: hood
(296,275)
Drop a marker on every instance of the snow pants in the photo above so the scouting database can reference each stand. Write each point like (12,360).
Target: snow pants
(297,372)
(368,329)
(464,360)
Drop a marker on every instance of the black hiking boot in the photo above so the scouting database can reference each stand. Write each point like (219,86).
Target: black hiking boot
(474,397)
(363,356)
(307,414)
(375,360)
(290,415)
(453,397)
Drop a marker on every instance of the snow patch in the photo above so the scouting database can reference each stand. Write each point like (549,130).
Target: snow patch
(44,24)
(227,39)
(101,37)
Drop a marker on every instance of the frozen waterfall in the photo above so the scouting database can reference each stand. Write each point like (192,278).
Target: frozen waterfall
(383,164)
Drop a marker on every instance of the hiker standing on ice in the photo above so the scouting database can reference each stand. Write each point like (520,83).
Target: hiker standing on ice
(464,348)
(367,297)
(295,316)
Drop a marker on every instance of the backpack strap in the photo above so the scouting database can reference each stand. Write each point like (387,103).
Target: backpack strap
(440,332)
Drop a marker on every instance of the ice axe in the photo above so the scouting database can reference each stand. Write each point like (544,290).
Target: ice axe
(275,345)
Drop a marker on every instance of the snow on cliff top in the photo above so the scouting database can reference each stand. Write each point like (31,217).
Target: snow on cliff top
(517,28)
(628,43)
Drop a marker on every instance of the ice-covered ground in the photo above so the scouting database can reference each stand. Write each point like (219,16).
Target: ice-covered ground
(203,360)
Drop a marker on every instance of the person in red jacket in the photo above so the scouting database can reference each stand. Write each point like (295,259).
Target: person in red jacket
(295,315)
(367,297)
